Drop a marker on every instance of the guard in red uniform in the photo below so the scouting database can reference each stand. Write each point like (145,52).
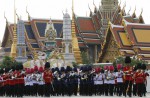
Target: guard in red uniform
(134,81)
(1,83)
(48,80)
(145,80)
(139,78)
(20,81)
(128,73)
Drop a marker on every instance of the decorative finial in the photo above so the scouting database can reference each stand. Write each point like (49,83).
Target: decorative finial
(129,11)
(28,13)
(14,13)
(89,8)
(50,20)
(63,13)
(66,11)
(72,8)
(95,9)
(135,9)
(5,18)
(123,9)
(17,15)
(94,4)
(141,12)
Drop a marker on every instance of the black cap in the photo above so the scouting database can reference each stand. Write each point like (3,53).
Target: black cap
(68,68)
(127,59)
(53,70)
(47,65)
(75,69)
(62,69)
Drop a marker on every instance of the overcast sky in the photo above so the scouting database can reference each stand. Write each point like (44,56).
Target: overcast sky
(54,9)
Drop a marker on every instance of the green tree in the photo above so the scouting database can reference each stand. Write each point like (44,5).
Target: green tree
(134,61)
(8,62)
(85,59)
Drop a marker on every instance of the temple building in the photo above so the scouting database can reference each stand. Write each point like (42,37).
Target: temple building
(105,34)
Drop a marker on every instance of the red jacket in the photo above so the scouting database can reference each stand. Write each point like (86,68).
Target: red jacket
(128,73)
(139,77)
(20,78)
(47,76)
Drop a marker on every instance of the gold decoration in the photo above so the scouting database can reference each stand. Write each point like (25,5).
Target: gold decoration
(13,53)
(76,50)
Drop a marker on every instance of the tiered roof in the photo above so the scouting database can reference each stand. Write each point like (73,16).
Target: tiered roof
(131,38)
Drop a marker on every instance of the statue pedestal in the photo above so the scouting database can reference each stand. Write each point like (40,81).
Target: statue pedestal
(21,59)
(69,58)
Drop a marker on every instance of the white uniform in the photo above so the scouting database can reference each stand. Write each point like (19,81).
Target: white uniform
(40,79)
(99,78)
(119,76)
(105,76)
(111,77)
(27,80)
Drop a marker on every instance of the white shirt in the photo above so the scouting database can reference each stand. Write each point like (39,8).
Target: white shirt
(99,78)
(111,78)
(119,76)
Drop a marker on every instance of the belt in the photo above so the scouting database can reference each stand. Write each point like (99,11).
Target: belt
(99,80)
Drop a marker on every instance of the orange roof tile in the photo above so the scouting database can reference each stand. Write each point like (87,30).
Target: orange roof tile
(85,24)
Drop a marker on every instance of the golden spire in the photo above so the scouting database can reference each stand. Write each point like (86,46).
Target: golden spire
(13,53)
(141,12)
(123,9)
(134,15)
(140,17)
(76,50)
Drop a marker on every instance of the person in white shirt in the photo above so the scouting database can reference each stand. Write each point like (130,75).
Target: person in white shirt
(99,81)
(111,77)
(119,76)
(106,80)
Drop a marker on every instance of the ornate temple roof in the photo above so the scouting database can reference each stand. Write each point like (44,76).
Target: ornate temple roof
(131,39)
(86,32)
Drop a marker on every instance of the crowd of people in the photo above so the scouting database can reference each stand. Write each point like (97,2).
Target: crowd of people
(122,80)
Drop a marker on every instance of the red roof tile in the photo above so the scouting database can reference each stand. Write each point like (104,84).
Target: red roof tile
(85,24)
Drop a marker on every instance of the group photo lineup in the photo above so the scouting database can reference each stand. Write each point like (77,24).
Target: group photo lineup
(103,54)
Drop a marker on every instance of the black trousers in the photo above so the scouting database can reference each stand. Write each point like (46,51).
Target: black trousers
(140,89)
(106,89)
(2,91)
(119,89)
(40,90)
(134,89)
(75,88)
(111,89)
(127,88)
(100,89)
(47,89)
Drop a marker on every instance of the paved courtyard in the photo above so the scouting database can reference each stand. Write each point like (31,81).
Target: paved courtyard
(148,96)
